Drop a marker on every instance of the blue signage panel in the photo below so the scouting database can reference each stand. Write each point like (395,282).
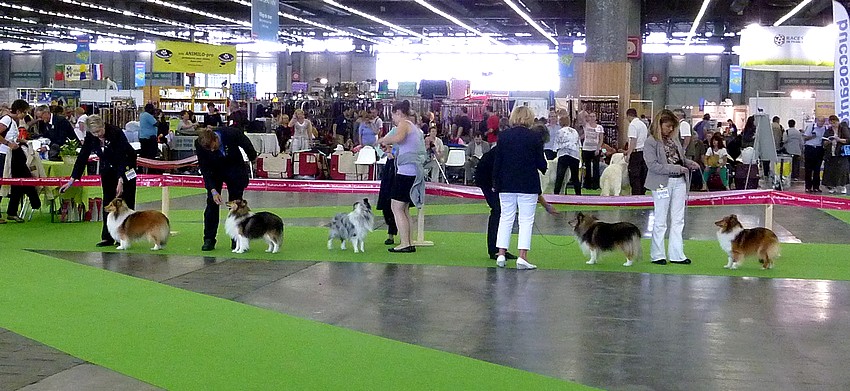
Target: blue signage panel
(140,74)
(736,76)
(83,50)
(264,20)
(565,57)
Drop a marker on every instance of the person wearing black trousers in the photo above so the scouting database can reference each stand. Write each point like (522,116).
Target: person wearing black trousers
(484,180)
(221,162)
(385,196)
(117,166)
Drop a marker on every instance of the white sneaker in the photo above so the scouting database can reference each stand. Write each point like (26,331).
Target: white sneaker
(843,189)
(831,190)
(500,261)
(521,264)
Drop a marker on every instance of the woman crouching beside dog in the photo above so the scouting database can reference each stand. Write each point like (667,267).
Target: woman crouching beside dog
(667,178)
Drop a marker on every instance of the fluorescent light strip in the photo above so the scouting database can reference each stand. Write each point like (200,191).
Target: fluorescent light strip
(694,26)
(96,21)
(28,39)
(530,21)
(134,14)
(375,19)
(32,32)
(69,28)
(456,21)
(16,19)
(793,12)
(310,22)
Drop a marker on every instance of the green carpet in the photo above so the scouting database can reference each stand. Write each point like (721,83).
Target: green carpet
(808,261)
(179,340)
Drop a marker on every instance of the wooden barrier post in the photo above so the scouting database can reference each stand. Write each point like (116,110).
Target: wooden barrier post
(768,216)
(166,200)
(420,230)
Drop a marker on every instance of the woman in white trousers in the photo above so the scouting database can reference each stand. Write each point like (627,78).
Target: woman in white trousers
(668,170)
(518,158)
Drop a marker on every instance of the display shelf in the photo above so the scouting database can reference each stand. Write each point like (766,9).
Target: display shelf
(607,114)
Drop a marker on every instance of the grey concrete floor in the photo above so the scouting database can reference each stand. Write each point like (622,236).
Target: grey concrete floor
(610,330)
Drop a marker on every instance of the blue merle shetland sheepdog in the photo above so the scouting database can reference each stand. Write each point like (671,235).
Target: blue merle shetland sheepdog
(352,226)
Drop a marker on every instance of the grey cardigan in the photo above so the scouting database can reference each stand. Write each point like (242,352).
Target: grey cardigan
(659,171)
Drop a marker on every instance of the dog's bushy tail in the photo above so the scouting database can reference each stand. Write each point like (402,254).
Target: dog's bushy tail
(633,248)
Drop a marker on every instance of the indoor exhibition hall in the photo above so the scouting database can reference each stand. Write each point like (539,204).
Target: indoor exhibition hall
(424,195)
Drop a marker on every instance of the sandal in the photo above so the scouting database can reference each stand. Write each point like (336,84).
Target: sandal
(15,219)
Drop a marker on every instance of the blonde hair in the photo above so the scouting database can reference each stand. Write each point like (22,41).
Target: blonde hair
(522,116)
(79,111)
(206,136)
(299,111)
(94,121)
(660,118)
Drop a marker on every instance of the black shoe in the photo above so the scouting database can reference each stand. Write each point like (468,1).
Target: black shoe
(232,244)
(408,249)
(660,262)
(510,256)
(105,243)
(209,245)
(686,261)
(817,191)
(389,242)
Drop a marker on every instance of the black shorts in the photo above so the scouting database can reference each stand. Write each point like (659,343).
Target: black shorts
(401,188)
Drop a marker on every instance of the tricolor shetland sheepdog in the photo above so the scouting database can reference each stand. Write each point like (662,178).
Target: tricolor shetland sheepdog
(242,226)
(595,236)
(127,226)
(739,242)
(353,226)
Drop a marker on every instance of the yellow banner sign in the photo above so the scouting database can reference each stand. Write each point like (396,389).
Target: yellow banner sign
(188,57)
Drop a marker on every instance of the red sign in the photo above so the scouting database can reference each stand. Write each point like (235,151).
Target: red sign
(633,47)
(296,76)
(654,79)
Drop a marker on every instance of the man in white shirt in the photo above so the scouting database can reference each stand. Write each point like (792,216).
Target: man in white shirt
(80,125)
(634,155)
(111,85)
(684,132)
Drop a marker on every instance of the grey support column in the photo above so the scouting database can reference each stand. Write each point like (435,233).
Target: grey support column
(635,29)
(5,69)
(606,32)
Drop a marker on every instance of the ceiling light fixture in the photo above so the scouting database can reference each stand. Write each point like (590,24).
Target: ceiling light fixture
(80,18)
(375,19)
(134,14)
(310,22)
(16,19)
(793,12)
(456,21)
(530,21)
(694,26)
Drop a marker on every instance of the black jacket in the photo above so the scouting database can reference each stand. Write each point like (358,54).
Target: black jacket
(213,163)
(58,131)
(117,156)
(518,158)
(484,169)
(213,120)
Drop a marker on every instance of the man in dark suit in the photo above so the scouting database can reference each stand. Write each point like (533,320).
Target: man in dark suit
(55,127)
(221,162)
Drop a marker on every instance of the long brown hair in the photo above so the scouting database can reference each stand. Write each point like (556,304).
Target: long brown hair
(661,117)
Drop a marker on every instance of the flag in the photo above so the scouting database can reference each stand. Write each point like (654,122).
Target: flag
(59,73)
(842,62)
(96,71)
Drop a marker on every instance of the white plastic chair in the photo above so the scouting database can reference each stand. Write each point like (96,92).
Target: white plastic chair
(366,157)
(457,159)
(136,145)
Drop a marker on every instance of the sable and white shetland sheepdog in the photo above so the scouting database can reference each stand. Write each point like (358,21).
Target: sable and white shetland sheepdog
(242,226)
(739,242)
(595,236)
(127,226)
(353,226)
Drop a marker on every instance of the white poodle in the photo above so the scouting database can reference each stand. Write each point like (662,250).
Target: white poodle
(615,177)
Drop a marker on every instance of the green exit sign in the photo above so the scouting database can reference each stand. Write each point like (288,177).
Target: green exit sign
(26,75)
(694,80)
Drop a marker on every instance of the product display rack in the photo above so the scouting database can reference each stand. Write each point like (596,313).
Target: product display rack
(607,111)
(173,100)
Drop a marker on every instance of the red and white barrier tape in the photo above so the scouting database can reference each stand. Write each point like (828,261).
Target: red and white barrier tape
(733,197)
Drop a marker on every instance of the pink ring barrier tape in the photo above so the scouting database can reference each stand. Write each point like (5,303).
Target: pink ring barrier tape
(732,197)
(167,165)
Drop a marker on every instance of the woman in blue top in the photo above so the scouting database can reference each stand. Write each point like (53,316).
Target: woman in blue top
(147,132)
(368,130)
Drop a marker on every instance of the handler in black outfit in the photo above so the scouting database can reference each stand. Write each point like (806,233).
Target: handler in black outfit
(117,166)
(484,180)
(221,162)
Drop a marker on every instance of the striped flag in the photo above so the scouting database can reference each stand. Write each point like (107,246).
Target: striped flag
(97,71)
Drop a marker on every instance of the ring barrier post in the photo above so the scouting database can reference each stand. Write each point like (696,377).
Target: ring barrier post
(768,216)
(420,230)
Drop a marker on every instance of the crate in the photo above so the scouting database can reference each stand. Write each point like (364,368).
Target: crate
(184,143)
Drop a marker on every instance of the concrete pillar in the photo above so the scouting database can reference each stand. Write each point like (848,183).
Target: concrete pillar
(606,32)
(284,71)
(5,69)
(635,29)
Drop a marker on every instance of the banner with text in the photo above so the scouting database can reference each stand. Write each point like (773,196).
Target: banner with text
(787,48)
(83,50)
(694,80)
(566,57)
(188,57)
(139,74)
(264,20)
(842,62)
(736,79)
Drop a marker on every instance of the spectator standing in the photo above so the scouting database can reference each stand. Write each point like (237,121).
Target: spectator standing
(434,147)
(792,140)
(474,152)
(80,123)
(813,154)
(685,133)
(302,132)
(568,145)
(13,157)
(591,150)
(634,154)
(212,117)
(147,132)
(702,127)
(836,168)
(283,132)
